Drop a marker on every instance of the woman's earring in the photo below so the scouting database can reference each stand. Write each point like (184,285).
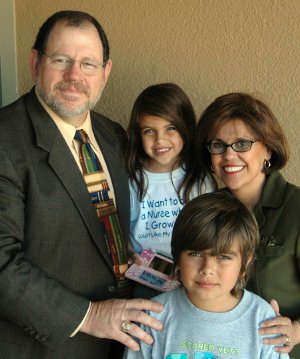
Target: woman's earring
(212,169)
(266,164)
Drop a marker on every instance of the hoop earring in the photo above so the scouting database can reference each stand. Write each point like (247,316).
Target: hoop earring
(266,164)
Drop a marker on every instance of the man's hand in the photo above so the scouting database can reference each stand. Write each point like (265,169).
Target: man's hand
(105,318)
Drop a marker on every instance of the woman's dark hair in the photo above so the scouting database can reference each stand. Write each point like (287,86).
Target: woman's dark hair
(170,102)
(216,221)
(73,19)
(255,114)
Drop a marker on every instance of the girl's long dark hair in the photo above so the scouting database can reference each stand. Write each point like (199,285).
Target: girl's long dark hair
(169,102)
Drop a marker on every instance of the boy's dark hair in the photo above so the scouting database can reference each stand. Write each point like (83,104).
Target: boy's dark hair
(216,221)
(73,19)
(170,102)
(255,114)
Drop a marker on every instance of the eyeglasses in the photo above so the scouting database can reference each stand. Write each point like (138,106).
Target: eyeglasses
(219,147)
(63,63)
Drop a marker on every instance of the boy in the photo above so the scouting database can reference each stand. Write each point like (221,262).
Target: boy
(211,315)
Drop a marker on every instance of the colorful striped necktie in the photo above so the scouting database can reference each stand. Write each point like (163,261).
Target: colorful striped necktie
(99,191)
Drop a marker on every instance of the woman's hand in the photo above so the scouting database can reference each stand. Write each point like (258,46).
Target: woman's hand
(288,332)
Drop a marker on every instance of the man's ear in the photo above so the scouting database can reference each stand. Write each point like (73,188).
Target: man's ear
(34,64)
(107,70)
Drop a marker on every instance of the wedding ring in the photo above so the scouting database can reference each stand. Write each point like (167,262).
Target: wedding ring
(287,341)
(126,326)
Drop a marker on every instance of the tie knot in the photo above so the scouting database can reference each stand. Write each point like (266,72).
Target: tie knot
(81,136)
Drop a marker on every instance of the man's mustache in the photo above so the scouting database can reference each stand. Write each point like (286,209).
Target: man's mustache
(65,85)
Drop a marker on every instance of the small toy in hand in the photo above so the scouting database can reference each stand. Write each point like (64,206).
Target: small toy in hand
(155,272)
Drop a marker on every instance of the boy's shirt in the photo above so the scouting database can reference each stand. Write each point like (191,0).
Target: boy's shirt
(191,333)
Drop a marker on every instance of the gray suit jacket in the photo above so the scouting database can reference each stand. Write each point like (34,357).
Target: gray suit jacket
(53,259)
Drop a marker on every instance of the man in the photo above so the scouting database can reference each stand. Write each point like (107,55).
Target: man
(57,283)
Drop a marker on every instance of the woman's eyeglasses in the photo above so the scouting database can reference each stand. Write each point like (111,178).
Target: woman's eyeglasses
(219,147)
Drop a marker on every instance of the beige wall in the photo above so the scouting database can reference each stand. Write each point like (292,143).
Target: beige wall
(209,47)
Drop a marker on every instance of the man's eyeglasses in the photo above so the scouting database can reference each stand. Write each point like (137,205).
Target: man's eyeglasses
(63,63)
(219,147)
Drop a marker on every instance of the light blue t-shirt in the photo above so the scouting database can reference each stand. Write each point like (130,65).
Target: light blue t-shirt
(192,333)
(152,220)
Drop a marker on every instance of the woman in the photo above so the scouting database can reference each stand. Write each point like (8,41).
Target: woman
(241,142)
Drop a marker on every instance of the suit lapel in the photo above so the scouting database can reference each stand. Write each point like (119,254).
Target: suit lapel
(63,164)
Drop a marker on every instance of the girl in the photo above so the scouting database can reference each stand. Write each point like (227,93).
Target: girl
(162,170)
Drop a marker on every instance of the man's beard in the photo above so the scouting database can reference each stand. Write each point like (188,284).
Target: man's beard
(58,106)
